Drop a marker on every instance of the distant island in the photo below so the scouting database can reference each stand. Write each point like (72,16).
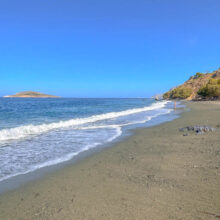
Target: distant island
(30,94)
(201,86)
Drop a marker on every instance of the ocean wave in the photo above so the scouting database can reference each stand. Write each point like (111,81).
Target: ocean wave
(29,130)
(65,157)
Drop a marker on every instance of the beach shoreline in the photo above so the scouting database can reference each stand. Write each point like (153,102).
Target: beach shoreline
(157,173)
(19,179)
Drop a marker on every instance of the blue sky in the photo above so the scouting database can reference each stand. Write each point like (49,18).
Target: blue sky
(106,48)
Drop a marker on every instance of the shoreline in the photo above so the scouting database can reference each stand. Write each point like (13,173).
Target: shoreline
(19,180)
(157,173)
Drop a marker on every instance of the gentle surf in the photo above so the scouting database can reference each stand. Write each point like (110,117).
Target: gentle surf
(36,133)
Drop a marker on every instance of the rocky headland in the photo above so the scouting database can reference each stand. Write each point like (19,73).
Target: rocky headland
(201,86)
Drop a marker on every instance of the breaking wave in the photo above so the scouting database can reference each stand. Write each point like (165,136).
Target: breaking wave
(29,130)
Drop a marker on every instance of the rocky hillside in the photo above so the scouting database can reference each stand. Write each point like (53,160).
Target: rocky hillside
(30,94)
(199,86)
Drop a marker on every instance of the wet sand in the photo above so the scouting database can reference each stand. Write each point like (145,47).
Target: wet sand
(155,174)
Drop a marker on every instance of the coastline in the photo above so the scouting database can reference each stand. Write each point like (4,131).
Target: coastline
(17,179)
(157,173)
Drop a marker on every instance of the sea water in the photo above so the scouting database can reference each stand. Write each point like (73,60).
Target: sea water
(36,133)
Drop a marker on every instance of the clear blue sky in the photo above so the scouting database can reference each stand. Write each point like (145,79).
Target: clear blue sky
(106,48)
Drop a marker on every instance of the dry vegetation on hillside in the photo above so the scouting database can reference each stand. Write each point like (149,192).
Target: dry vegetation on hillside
(199,86)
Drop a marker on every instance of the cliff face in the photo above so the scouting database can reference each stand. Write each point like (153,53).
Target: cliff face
(30,94)
(193,85)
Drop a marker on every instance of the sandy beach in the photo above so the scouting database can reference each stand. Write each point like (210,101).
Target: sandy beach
(157,173)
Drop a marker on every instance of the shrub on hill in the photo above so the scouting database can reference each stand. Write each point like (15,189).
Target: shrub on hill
(178,93)
(181,93)
(166,95)
(211,89)
(198,75)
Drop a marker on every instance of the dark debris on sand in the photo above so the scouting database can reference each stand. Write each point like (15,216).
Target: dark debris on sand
(198,129)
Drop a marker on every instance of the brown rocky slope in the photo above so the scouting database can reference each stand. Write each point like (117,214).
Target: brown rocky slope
(192,86)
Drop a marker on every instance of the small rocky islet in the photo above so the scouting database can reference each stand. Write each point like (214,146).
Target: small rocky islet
(30,94)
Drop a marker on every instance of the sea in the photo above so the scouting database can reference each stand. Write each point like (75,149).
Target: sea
(40,132)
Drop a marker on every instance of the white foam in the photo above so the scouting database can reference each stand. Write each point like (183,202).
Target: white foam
(46,164)
(65,157)
(28,130)
(117,132)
